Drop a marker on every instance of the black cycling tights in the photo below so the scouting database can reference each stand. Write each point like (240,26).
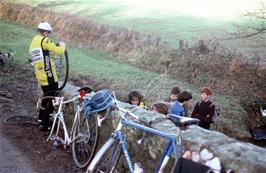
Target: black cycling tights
(49,90)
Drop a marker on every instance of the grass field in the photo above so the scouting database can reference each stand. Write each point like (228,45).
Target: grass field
(100,65)
(97,64)
(172,20)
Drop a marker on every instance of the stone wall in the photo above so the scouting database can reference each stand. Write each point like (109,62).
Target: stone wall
(239,156)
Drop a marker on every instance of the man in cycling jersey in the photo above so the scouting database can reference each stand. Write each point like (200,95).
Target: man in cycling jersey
(42,50)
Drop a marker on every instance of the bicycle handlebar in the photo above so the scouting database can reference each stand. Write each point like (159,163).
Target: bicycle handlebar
(10,53)
(6,54)
(83,92)
(131,114)
(39,105)
(56,100)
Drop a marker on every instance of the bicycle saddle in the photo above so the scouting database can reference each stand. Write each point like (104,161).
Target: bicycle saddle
(87,89)
(182,121)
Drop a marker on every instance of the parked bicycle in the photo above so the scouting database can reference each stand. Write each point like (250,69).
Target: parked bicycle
(107,158)
(7,58)
(83,135)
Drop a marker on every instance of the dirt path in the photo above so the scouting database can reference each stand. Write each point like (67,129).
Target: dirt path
(23,147)
(12,160)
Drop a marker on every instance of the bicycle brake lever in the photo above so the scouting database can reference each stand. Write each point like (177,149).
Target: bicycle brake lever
(56,101)
(38,104)
(100,120)
(142,139)
(148,124)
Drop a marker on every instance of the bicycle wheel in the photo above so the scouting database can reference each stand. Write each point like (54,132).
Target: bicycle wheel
(107,158)
(62,69)
(9,58)
(85,135)
(21,120)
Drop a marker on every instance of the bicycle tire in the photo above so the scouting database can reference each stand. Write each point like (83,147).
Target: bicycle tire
(84,146)
(62,70)
(21,120)
(106,160)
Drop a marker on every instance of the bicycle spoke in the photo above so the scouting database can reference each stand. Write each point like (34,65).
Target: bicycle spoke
(86,138)
(108,162)
(62,69)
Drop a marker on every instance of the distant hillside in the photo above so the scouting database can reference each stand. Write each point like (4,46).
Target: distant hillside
(175,20)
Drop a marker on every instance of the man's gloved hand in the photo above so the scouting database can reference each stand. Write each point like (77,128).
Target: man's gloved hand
(62,45)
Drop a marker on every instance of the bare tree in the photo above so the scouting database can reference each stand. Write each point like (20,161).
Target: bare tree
(256,24)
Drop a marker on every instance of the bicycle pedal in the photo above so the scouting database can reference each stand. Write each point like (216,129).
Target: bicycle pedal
(65,146)
(57,143)
(53,137)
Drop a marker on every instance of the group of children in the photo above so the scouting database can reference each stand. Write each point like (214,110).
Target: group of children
(178,105)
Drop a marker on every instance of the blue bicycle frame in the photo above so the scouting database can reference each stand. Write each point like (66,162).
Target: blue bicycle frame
(168,150)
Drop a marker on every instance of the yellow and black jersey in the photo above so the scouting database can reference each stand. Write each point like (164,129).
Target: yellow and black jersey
(41,50)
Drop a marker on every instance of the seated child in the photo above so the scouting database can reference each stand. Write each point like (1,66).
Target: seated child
(160,107)
(135,98)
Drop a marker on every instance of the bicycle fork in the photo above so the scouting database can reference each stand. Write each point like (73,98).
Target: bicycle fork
(57,141)
(53,126)
(121,139)
(169,149)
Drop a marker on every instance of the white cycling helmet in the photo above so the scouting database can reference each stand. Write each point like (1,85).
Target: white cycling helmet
(45,26)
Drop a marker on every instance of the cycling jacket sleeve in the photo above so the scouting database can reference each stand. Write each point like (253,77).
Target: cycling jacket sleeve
(50,46)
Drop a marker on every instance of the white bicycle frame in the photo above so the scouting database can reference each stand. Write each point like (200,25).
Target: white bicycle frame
(59,116)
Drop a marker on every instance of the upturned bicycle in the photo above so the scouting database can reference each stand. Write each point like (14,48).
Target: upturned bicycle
(7,57)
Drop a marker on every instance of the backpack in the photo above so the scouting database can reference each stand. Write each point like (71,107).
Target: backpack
(216,114)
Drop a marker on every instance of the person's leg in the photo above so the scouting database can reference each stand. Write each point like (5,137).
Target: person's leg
(43,104)
(1,59)
(205,125)
(49,90)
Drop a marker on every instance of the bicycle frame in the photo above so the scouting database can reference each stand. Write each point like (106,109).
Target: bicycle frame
(118,135)
(59,116)
(168,150)
(83,135)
